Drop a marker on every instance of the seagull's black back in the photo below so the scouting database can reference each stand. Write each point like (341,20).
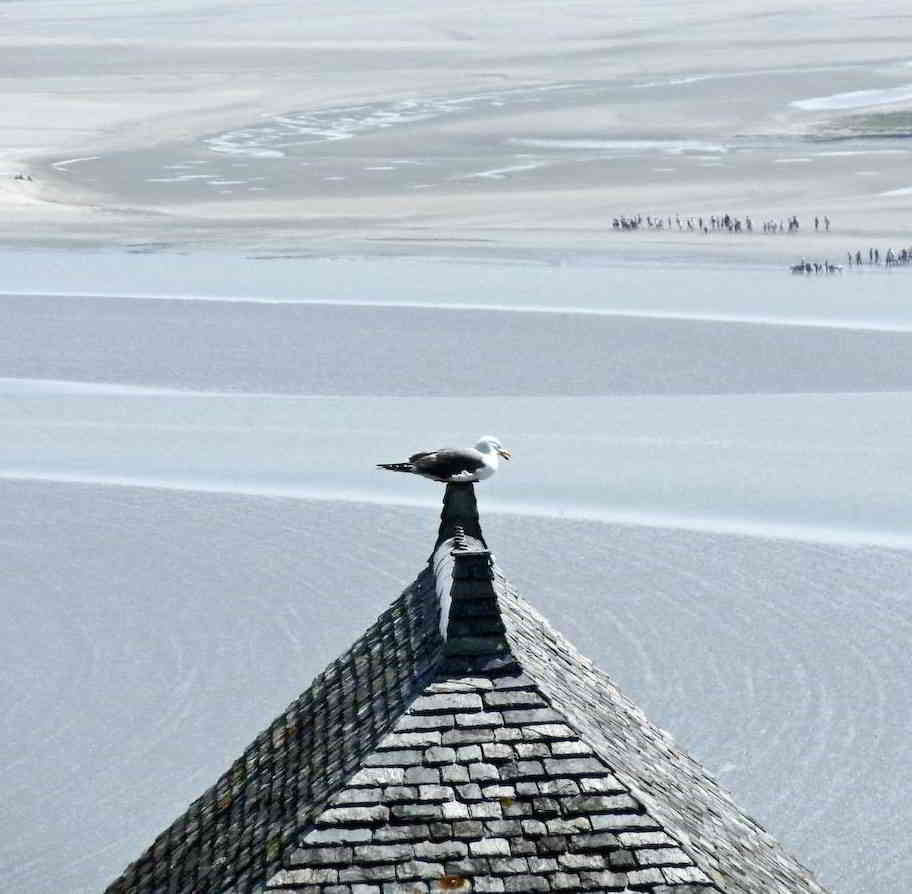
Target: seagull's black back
(443,464)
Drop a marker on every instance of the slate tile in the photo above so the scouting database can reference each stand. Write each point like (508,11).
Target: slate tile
(395,793)
(383,853)
(440,851)
(643,878)
(603,880)
(548,732)
(587,804)
(338,835)
(455,810)
(663,856)
(581,861)
(407,740)
(607,784)
(439,755)
(353,815)
(646,839)
(573,766)
(378,776)
(436,793)
(468,753)
(532,749)
(490,847)
(288,877)
(521,847)
(525,884)
(410,812)
(525,716)
(486,810)
(568,826)
(405,888)
(504,865)
(467,736)
(684,875)
(517,698)
(411,722)
(482,772)
(359,796)
(500,792)
(419,869)
(454,773)
(622,860)
(417,832)
(564,881)
(596,841)
(446,703)
(470,792)
(486,719)
(468,829)
(624,822)
(422,776)
(319,856)
(408,758)
(495,752)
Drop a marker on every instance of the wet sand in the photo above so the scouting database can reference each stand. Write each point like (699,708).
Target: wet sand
(408,131)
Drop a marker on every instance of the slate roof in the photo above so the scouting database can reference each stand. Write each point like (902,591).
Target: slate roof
(463,745)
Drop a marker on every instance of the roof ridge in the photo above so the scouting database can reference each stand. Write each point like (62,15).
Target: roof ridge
(475,639)
(459,515)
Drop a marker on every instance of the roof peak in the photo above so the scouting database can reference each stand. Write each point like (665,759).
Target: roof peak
(463,744)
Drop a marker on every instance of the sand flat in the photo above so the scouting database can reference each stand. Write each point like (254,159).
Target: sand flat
(322,112)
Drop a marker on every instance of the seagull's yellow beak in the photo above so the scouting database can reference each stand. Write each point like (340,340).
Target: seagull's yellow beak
(505,453)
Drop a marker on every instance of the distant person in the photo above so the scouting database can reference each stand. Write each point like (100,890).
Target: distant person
(826,223)
(816,224)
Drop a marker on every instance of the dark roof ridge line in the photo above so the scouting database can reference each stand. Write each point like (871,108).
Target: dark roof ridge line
(459,515)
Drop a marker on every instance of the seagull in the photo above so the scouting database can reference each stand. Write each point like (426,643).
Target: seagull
(456,465)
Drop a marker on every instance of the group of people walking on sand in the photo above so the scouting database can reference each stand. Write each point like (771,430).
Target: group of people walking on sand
(892,258)
(808,267)
(689,224)
(713,223)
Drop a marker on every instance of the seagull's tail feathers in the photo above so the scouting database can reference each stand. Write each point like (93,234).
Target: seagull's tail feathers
(398,467)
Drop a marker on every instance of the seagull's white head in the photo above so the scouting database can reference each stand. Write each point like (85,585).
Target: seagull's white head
(490,444)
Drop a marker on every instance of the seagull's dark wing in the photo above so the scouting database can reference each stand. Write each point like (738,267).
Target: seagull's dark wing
(447,462)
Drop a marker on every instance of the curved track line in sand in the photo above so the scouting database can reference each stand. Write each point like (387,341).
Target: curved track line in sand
(571,310)
(768,530)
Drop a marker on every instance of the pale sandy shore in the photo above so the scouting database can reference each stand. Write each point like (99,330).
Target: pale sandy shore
(454,129)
